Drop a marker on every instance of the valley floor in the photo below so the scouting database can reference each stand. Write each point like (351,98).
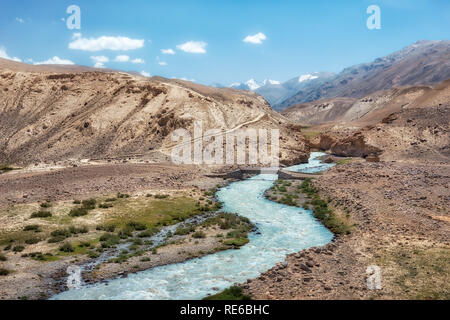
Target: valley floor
(401,224)
(127,196)
(399,212)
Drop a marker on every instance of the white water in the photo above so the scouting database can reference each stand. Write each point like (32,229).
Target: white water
(282,229)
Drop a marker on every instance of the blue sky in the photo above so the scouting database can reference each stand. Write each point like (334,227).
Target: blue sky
(299,36)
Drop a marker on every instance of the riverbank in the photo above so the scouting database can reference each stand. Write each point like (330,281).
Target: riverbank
(401,225)
(39,240)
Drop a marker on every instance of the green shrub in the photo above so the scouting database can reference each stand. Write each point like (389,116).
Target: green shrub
(46,205)
(41,214)
(84,244)
(32,227)
(148,233)
(18,248)
(184,230)
(105,205)
(61,232)
(2,257)
(109,240)
(75,230)
(56,239)
(107,228)
(32,240)
(78,212)
(89,204)
(161,196)
(93,255)
(136,226)
(125,233)
(66,247)
(199,235)
(76,202)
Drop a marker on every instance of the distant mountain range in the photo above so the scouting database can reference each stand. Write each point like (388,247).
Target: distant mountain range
(276,92)
(422,63)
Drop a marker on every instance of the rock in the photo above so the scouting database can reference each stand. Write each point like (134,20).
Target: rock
(304,267)
(328,160)
(372,158)
(353,146)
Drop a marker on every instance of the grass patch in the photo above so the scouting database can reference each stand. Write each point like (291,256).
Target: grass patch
(321,211)
(41,214)
(310,134)
(43,257)
(236,242)
(151,212)
(232,293)
(344,161)
(417,272)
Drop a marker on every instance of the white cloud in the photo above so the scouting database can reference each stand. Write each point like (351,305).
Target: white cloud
(20,20)
(145,74)
(122,58)
(184,79)
(137,61)
(55,60)
(162,63)
(104,43)
(100,61)
(256,39)
(167,51)
(4,55)
(193,47)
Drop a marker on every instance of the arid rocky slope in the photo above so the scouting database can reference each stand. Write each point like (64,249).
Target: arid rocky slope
(399,124)
(74,114)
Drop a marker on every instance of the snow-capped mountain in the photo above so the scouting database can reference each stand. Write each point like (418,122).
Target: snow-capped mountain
(252,84)
(276,92)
